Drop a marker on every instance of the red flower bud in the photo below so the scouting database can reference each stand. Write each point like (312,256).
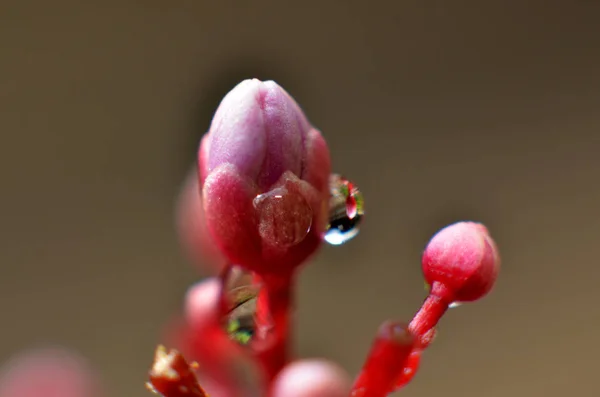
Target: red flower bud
(464,258)
(461,264)
(265,175)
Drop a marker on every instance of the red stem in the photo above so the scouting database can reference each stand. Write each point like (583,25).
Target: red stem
(278,299)
(409,370)
(432,310)
(387,358)
(221,358)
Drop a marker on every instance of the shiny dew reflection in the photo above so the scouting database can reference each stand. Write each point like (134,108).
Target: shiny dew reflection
(346,210)
(243,322)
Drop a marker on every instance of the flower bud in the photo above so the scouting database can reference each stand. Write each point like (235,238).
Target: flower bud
(51,372)
(464,259)
(264,172)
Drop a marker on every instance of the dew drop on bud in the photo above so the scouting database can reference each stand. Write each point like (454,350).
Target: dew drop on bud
(243,322)
(346,210)
(284,217)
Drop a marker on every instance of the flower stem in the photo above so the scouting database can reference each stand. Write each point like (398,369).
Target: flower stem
(409,370)
(432,310)
(278,299)
(387,358)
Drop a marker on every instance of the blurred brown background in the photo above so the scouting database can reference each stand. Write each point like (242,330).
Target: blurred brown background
(439,110)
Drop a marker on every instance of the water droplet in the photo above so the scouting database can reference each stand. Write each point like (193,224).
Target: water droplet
(284,216)
(346,210)
(243,322)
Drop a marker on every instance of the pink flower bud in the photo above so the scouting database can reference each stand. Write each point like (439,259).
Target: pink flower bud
(311,378)
(264,171)
(464,259)
(50,373)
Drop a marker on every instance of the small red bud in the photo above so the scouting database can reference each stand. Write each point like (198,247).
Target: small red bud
(461,264)
(464,259)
